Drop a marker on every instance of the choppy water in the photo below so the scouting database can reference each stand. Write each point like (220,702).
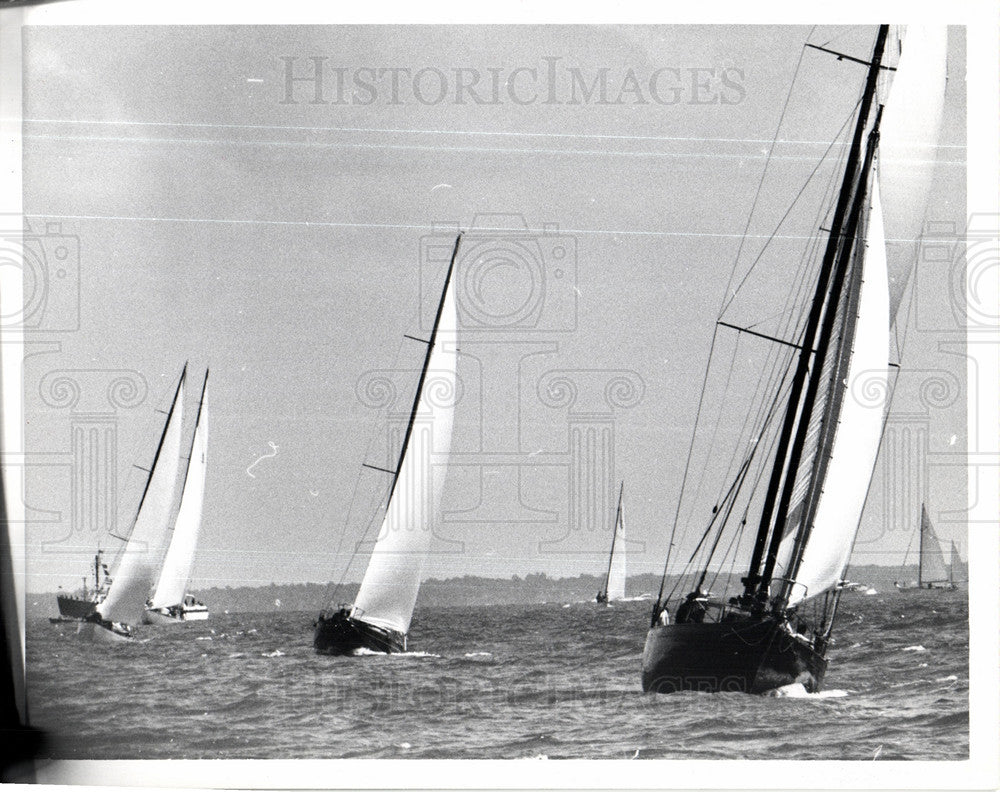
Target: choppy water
(505,682)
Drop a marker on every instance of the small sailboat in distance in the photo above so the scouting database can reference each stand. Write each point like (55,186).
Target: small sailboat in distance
(170,603)
(931,570)
(614,580)
(801,466)
(379,619)
(115,617)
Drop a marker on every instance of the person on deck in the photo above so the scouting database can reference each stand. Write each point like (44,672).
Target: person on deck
(692,610)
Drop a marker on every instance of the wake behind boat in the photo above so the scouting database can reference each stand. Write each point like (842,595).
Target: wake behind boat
(170,603)
(115,617)
(379,619)
(806,436)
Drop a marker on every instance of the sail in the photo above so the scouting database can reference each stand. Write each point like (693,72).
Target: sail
(389,589)
(138,566)
(177,565)
(958,573)
(910,129)
(932,568)
(858,428)
(616,568)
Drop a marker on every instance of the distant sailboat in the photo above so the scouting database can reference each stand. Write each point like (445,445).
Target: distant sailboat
(810,440)
(379,619)
(170,603)
(614,581)
(115,617)
(931,570)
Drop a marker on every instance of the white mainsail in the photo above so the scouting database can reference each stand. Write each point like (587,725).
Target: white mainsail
(616,568)
(138,566)
(859,429)
(179,560)
(389,589)
(932,567)
(910,129)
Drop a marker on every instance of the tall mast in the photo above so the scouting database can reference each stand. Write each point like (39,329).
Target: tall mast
(920,549)
(823,347)
(614,536)
(197,420)
(159,446)
(423,371)
(799,409)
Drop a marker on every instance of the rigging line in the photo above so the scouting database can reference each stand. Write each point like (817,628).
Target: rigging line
(774,234)
(763,175)
(774,360)
(687,465)
(375,432)
(715,433)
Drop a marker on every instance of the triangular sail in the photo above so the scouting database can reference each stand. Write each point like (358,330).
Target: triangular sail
(956,569)
(138,566)
(855,420)
(615,588)
(389,589)
(177,565)
(932,567)
(911,127)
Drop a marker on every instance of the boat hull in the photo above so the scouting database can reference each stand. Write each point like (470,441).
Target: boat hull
(751,655)
(338,633)
(75,607)
(99,631)
(174,615)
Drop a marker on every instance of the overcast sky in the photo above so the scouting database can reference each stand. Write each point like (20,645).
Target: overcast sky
(287,234)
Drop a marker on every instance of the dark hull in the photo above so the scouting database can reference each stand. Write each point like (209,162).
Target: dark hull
(749,655)
(74,607)
(338,633)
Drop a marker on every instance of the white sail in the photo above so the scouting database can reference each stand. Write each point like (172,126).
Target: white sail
(177,565)
(389,589)
(139,562)
(616,569)
(932,568)
(858,433)
(910,129)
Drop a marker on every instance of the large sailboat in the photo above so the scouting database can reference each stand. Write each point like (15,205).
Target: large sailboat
(614,580)
(170,603)
(932,573)
(115,617)
(804,464)
(379,619)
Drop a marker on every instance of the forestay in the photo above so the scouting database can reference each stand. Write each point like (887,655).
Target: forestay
(389,589)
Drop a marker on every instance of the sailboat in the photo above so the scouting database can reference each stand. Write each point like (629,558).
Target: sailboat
(81,603)
(379,619)
(811,440)
(170,602)
(115,617)
(931,570)
(614,580)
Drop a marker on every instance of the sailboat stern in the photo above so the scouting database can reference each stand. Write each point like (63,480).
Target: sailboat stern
(753,655)
(99,630)
(340,633)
